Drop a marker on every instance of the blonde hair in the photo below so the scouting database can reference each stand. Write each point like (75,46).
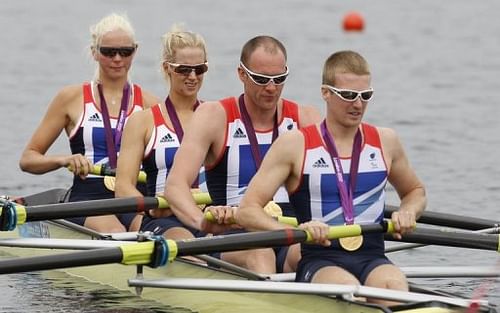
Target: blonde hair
(344,62)
(107,24)
(175,39)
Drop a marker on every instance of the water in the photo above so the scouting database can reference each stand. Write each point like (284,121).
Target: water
(435,72)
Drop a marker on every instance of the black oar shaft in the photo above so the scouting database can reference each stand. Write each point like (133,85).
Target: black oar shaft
(49,262)
(243,241)
(90,208)
(453,239)
(449,220)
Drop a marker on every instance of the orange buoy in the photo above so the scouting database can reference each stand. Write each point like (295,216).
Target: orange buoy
(353,22)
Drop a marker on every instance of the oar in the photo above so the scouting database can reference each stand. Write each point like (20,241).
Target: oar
(428,217)
(405,246)
(448,220)
(12,214)
(159,251)
(452,238)
(105,170)
(55,195)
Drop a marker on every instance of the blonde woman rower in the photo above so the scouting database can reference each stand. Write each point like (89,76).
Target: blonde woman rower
(93,116)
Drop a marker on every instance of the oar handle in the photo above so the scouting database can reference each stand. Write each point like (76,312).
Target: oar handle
(105,170)
(335,231)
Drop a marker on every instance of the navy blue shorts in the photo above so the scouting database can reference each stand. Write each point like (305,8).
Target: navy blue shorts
(94,189)
(159,226)
(359,263)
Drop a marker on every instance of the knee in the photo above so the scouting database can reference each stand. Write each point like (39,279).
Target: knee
(262,261)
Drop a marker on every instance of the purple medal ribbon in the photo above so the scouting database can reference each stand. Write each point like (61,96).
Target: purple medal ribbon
(113,143)
(175,119)
(252,137)
(346,195)
(172,114)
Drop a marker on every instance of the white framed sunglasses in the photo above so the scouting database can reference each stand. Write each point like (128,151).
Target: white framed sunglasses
(351,95)
(264,80)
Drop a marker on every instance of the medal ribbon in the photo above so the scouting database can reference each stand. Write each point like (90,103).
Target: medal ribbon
(172,114)
(252,137)
(174,118)
(346,195)
(113,143)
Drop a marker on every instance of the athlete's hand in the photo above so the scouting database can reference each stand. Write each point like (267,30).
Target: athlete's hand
(404,222)
(78,164)
(318,231)
(223,219)
(223,214)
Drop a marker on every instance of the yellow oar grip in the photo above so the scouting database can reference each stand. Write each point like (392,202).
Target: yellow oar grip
(162,203)
(137,252)
(172,250)
(292,221)
(199,198)
(142,177)
(344,231)
(21,214)
(202,198)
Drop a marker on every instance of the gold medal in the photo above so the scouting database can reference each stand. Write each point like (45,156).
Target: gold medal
(273,209)
(351,243)
(109,182)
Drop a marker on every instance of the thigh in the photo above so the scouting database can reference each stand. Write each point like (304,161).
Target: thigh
(334,275)
(105,224)
(387,276)
(258,260)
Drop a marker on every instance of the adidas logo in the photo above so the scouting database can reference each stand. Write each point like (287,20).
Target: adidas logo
(167,138)
(95,118)
(239,134)
(320,163)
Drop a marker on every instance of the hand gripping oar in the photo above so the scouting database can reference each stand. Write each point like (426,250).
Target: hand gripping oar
(106,170)
(12,214)
(427,217)
(159,251)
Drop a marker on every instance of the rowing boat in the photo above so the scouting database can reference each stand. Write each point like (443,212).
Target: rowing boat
(216,287)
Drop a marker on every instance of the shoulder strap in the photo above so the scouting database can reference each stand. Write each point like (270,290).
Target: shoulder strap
(138,96)
(87,93)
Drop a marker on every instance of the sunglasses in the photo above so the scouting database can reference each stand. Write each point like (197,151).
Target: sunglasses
(351,95)
(187,69)
(111,52)
(264,80)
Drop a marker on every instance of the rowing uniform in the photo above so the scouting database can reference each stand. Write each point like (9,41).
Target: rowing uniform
(318,198)
(89,139)
(157,162)
(228,179)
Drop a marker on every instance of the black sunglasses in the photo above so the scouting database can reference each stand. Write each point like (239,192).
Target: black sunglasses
(351,95)
(187,69)
(110,52)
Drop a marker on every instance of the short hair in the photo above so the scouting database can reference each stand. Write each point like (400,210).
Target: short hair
(270,44)
(109,23)
(344,62)
(177,38)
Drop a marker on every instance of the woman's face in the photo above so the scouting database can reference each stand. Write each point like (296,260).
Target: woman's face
(114,54)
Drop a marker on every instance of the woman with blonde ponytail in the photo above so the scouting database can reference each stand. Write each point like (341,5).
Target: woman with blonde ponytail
(93,116)
(153,136)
